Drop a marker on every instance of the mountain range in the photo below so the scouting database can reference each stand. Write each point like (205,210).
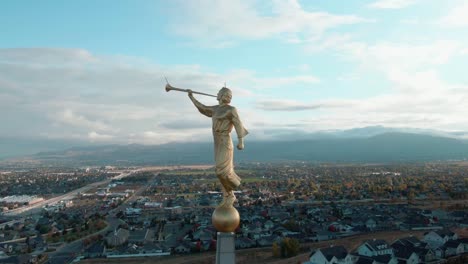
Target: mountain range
(373,144)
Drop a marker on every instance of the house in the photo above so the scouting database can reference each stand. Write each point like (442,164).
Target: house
(132,212)
(118,237)
(438,252)
(454,247)
(152,248)
(439,237)
(458,215)
(244,242)
(280,231)
(364,260)
(385,259)
(410,241)
(203,245)
(3,253)
(21,259)
(439,214)
(375,247)
(256,226)
(267,241)
(464,241)
(268,225)
(405,254)
(43,221)
(415,222)
(203,234)
(183,248)
(96,250)
(424,253)
(37,243)
(371,224)
(141,237)
(8,248)
(325,235)
(330,255)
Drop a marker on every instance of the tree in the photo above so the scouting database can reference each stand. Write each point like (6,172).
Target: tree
(289,247)
(276,250)
(410,196)
(43,229)
(291,225)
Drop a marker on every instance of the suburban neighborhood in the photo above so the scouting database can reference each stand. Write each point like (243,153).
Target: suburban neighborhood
(160,212)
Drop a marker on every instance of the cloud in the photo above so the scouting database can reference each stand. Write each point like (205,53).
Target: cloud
(186,124)
(456,17)
(69,93)
(407,56)
(210,22)
(250,79)
(283,81)
(391,4)
(411,21)
(418,94)
(80,95)
(291,105)
(47,56)
(285,105)
(320,44)
(70,118)
(94,136)
(349,77)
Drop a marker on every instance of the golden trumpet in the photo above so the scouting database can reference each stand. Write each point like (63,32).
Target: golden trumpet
(171,88)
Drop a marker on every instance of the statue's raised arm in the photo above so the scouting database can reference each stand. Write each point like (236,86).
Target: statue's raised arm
(205,110)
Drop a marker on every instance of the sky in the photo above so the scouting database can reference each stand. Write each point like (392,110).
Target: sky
(94,70)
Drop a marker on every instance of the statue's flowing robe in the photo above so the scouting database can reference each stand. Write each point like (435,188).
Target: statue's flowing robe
(224,118)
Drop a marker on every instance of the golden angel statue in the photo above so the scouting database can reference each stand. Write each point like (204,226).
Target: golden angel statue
(224,117)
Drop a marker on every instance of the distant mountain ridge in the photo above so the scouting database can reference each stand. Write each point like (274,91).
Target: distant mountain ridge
(383,148)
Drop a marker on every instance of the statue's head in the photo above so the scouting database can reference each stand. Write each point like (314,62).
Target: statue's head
(224,95)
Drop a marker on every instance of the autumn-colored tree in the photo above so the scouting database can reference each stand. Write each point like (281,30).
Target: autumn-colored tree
(289,247)
(276,250)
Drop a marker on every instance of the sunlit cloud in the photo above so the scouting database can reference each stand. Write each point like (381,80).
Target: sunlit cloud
(211,22)
(456,17)
(391,4)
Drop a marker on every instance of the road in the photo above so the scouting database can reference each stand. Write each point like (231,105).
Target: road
(69,250)
(31,209)
(38,206)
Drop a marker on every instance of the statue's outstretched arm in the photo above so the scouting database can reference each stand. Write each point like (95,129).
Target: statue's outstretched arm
(205,110)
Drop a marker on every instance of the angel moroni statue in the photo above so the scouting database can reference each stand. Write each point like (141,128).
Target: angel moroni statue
(224,118)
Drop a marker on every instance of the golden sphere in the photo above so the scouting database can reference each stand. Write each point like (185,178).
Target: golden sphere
(225,219)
